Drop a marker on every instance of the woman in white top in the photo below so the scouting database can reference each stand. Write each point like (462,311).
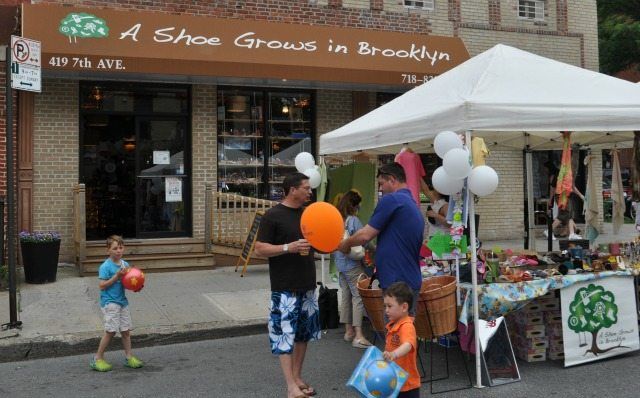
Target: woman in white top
(437,214)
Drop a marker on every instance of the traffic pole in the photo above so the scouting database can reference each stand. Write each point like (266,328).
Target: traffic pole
(14,323)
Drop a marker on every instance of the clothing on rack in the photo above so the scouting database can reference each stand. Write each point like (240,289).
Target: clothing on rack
(412,165)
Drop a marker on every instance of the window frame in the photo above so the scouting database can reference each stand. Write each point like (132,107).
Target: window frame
(409,4)
(538,5)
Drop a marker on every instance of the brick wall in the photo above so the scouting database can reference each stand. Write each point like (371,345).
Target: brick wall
(204,149)
(55,160)
(582,17)
(56,124)
(502,213)
(333,110)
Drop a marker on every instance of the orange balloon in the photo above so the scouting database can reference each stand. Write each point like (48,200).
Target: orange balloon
(322,226)
(133,279)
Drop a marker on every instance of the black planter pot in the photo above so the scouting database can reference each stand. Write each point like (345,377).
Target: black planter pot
(40,261)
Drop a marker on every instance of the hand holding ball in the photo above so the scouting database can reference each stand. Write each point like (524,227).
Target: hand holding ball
(133,279)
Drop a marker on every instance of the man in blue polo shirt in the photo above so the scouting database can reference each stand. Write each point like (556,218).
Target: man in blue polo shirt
(399,226)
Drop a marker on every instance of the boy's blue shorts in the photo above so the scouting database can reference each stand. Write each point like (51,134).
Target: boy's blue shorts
(294,318)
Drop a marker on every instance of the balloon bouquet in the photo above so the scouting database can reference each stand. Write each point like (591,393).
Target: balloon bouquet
(449,179)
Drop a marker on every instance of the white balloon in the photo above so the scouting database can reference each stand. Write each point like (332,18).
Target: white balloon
(445,141)
(314,177)
(483,180)
(456,163)
(303,161)
(444,184)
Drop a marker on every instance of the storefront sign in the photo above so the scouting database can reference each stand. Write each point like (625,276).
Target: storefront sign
(599,320)
(102,40)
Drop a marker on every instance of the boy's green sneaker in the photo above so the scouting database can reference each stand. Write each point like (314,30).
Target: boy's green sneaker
(133,362)
(100,365)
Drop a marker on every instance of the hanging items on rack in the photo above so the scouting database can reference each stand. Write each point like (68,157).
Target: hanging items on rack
(564,186)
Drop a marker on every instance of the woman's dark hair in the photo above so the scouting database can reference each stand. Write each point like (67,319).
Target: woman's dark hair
(349,203)
(401,292)
(293,180)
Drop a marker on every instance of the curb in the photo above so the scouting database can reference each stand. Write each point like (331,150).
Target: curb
(23,349)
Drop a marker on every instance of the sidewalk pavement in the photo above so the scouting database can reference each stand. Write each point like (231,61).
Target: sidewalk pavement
(64,318)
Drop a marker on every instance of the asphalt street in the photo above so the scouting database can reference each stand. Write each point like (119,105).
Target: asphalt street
(244,367)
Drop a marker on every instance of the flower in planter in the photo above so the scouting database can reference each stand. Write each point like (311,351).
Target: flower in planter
(39,237)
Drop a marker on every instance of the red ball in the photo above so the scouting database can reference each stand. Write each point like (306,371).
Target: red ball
(133,279)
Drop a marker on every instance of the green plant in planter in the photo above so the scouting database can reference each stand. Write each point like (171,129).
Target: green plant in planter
(39,237)
(40,255)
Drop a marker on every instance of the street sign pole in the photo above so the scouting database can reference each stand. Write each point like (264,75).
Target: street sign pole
(14,323)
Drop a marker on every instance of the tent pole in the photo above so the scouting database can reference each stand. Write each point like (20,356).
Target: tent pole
(474,273)
(528,164)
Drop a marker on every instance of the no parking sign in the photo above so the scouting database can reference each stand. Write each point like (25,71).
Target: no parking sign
(25,64)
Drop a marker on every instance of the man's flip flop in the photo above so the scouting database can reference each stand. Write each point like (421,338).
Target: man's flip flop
(307,390)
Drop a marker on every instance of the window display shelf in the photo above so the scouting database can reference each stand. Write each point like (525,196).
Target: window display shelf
(260,132)
(228,164)
(227,135)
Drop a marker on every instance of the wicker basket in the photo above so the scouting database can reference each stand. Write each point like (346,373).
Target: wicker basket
(438,295)
(373,303)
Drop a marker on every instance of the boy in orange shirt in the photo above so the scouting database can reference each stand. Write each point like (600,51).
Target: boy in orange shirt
(401,342)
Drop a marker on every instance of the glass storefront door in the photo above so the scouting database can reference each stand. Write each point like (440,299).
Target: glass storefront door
(135,160)
(161,184)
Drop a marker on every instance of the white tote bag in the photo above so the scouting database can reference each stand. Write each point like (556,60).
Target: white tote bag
(357,252)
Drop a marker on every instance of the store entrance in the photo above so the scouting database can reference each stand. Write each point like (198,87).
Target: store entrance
(135,166)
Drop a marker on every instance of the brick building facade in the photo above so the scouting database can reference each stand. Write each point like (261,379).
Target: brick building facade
(565,30)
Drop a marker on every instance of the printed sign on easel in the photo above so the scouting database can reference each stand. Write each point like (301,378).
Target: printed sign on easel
(249,243)
(599,320)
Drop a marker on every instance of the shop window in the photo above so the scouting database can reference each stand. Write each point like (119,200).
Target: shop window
(383,98)
(423,5)
(259,135)
(533,10)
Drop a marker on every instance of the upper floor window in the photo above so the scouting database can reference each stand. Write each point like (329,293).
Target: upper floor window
(424,5)
(528,9)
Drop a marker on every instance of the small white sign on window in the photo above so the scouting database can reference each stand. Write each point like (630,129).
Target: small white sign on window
(161,157)
(172,189)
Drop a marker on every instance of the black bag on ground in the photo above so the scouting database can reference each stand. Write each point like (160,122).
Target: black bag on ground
(328,307)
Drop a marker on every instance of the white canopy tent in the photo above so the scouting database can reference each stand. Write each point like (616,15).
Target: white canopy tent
(500,94)
(512,98)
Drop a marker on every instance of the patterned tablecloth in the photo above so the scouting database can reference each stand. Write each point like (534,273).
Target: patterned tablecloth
(498,299)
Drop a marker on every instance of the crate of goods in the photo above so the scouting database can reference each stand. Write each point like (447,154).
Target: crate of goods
(552,317)
(529,331)
(556,343)
(529,318)
(532,355)
(533,343)
(554,356)
(554,330)
(556,348)
(532,307)
(549,304)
